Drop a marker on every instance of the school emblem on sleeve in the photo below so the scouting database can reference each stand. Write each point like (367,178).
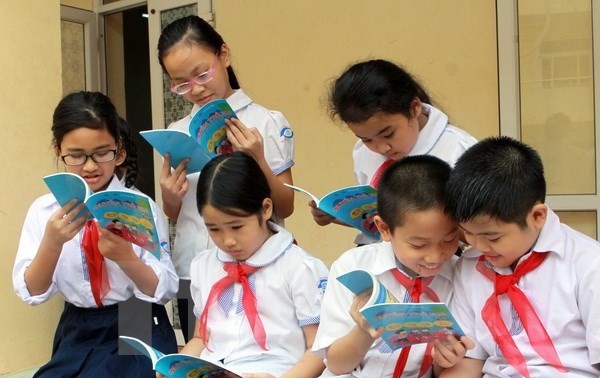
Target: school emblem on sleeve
(286,133)
(322,285)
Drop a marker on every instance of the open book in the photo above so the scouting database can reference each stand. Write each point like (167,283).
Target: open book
(354,205)
(207,137)
(125,213)
(179,365)
(403,323)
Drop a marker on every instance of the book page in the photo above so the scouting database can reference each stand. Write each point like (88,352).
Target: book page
(299,189)
(179,146)
(359,280)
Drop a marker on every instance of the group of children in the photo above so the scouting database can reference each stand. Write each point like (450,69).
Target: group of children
(526,291)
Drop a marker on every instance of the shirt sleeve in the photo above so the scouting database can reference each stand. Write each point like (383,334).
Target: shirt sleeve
(587,264)
(278,140)
(168,281)
(335,318)
(29,243)
(309,279)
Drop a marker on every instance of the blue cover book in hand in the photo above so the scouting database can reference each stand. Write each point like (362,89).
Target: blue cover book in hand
(403,324)
(354,205)
(206,139)
(124,213)
(179,365)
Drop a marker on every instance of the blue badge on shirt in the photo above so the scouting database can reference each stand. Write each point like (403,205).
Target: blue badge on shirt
(322,285)
(165,247)
(286,132)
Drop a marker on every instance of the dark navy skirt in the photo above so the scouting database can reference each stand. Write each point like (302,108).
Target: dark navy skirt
(86,341)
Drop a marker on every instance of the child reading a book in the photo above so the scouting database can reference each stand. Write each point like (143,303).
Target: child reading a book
(527,292)
(257,295)
(392,115)
(97,272)
(413,263)
(198,63)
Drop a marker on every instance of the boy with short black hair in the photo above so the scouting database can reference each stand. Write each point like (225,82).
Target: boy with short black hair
(418,250)
(528,292)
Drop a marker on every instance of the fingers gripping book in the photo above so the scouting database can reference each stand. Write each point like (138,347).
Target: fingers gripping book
(354,205)
(206,139)
(403,323)
(179,365)
(124,213)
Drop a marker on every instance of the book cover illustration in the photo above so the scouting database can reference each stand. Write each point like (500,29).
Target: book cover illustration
(206,139)
(354,205)
(124,213)
(403,323)
(179,365)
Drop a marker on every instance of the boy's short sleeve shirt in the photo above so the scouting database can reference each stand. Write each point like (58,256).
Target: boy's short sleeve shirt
(565,292)
(278,142)
(336,322)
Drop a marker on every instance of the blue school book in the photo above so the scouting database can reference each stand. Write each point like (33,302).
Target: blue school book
(403,324)
(354,205)
(206,137)
(124,213)
(179,365)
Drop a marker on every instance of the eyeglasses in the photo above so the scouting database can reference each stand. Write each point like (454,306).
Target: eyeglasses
(203,78)
(97,157)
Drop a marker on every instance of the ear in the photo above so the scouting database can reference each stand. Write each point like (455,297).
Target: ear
(267,208)
(225,55)
(416,107)
(57,151)
(538,215)
(121,155)
(384,229)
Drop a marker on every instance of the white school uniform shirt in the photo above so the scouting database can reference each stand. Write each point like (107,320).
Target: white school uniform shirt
(437,138)
(71,279)
(278,140)
(379,259)
(288,288)
(565,293)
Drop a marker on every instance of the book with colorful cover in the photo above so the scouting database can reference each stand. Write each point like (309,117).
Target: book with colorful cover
(205,139)
(125,213)
(403,324)
(354,205)
(179,365)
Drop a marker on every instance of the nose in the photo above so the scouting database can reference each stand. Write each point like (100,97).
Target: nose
(229,240)
(479,243)
(90,165)
(383,147)
(197,88)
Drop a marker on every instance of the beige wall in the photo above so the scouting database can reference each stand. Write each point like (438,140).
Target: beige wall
(31,87)
(286,52)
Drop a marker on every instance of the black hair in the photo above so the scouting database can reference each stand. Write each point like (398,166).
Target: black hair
(129,166)
(188,31)
(233,184)
(411,184)
(92,110)
(498,177)
(374,86)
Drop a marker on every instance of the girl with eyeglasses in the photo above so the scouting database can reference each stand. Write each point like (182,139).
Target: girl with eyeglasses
(198,64)
(110,286)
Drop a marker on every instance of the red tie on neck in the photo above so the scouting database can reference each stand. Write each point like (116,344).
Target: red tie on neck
(539,339)
(236,272)
(415,287)
(95,262)
(377,175)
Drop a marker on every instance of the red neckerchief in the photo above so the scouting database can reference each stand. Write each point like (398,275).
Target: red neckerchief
(95,262)
(415,287)
(538,337)
(236,272)
(377,175)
